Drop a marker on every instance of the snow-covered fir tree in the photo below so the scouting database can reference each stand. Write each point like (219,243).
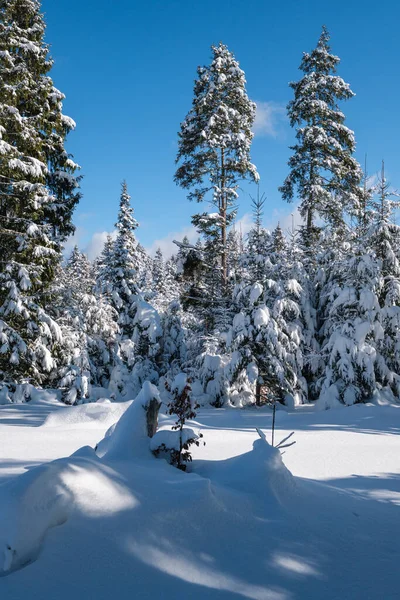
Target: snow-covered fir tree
(89,327)
(215,140)
(175,444)
(144,263)
(103,266)
(264,348)
(255,259)
(162,281)
(122,274)
(384,239)
(174,353)
(322,169)
(39,190)
(351,329)
(267,338)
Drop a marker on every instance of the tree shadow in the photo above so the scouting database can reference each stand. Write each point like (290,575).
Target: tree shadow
(26,415)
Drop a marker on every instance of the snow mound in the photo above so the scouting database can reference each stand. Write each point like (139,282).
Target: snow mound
(260,473)
(172,438)
(129,439)
(104,413)
(45,497)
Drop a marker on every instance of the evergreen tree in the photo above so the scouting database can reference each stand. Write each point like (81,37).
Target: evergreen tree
(255,260)
(234,247)
(384,238)
(103,266)
(144,264)
(176,444)
(174,353)
(38,191)
(89,328)
(264,348)
(158,271)
(182,254)
(123,272)
(323,170)
(351,330)
(215,139)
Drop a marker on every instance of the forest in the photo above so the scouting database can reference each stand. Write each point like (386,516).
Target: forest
(164,422)
(310,314)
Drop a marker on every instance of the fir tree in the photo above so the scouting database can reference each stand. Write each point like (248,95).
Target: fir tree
(262,347)
(383,236)
(351,329)
(38,191)
(103,266)
(183,407)
(89,327)
(255,259)
(144,265)
(215,139)
(123,272)
(323,170)
(174,353)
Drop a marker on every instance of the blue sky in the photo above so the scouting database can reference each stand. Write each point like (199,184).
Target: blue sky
(127,68)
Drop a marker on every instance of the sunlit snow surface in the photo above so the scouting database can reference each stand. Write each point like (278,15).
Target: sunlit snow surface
(241,525)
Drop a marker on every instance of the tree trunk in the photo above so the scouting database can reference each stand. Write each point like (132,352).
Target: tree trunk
(152,417)
(222,211)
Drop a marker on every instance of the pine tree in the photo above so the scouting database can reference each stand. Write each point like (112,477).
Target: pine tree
(89,327)
(262,349)
(268,339)
(351,329)
(215,139)
(123,272)
(176,443)
(38,191)
(103,266)
(384,238)
(174,355)
(255,260)
(323,170)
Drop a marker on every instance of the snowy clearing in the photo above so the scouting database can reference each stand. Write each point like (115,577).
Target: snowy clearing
(239,526)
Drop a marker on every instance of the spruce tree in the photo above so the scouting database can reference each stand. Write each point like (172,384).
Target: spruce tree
(351,328)
(383,236)
(38,191)
(103,266)
(123,272)
(174,353)
(323,171)
(89,327)
(215,139)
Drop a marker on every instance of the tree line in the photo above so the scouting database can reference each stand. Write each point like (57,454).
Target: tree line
(309,314)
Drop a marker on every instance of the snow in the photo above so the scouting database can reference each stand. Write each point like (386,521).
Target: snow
(172,438)
(105,413)
(321,521)
(129,438)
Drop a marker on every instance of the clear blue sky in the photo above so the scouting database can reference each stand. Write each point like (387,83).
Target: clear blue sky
(127,68)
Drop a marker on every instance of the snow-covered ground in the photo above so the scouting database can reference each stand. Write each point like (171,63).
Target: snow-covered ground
(240,525)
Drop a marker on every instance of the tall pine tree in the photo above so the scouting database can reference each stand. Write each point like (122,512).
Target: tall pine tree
(323,171)
(38,192)
(215,139)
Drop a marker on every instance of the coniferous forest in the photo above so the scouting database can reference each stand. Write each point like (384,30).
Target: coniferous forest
(170,413)
(311,314)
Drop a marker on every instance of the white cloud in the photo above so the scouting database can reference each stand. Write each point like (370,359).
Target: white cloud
(73,240)
(244,224)
(96,244)
(93,247)
(167,243)
(287,219)
(269,118)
